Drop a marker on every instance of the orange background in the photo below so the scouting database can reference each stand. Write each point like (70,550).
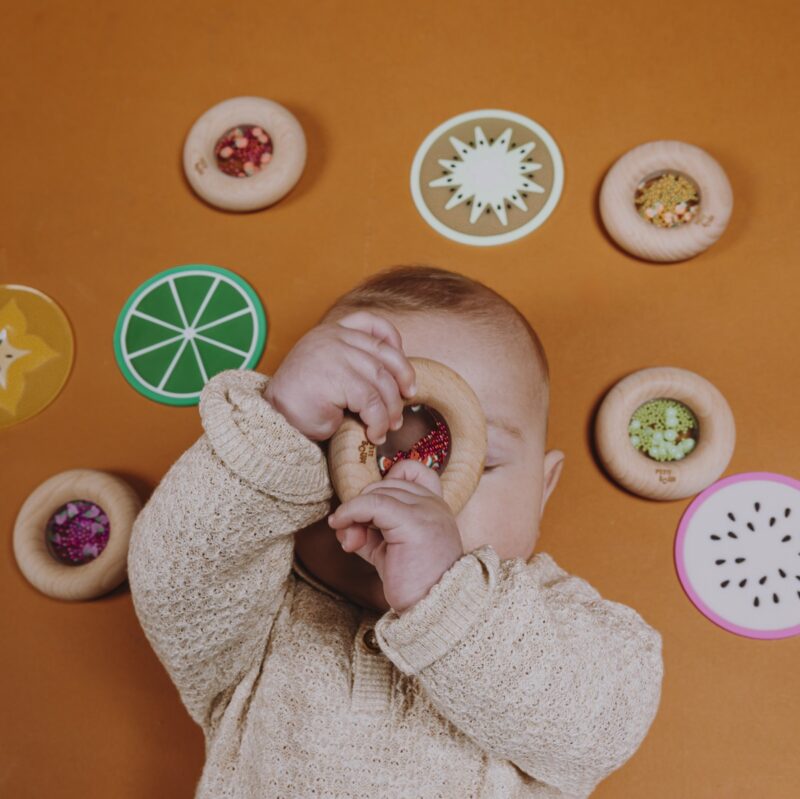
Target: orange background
(96,101)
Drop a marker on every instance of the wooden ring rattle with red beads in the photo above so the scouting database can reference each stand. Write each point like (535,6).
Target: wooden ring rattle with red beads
(72,533)
(455,447)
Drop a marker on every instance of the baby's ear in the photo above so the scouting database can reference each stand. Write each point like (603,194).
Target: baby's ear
(553,463)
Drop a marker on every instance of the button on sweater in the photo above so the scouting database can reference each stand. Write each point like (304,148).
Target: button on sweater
(510,678)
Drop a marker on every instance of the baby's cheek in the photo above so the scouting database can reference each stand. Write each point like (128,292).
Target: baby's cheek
(503,518)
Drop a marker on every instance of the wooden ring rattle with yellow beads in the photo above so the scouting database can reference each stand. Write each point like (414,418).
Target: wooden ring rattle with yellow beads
(353,461)
(666,201)
(72,533)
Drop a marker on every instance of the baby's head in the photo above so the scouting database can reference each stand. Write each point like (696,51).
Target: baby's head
(469,327)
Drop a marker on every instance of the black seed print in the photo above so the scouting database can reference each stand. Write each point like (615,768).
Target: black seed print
(797,576)
(743,583)
(757,506)
(787,512)
(732,534)
(740,560)
(775,599)
(785,539)
(724,583)
(719,562)
(715,538)
(771,521)
(755,601)
(763,580)
(782,572)
(731,516)
(750,525)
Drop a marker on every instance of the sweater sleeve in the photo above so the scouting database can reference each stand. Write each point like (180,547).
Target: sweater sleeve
(533,665)
(211,551)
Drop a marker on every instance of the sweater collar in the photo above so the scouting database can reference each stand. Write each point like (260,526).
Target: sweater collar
(304,574)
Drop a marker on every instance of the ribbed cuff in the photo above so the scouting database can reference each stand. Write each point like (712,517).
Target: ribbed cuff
(258,443)
(438,621)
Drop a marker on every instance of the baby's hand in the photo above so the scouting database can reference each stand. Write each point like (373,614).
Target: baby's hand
(418,539)
(356,363)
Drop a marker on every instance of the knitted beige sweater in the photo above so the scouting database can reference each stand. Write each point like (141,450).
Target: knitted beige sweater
(509,679)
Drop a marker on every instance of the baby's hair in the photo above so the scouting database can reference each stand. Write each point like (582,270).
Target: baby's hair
(414,288)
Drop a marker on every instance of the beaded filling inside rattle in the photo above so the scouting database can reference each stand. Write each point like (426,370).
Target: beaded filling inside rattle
(424,437)
(77,532)
(243,151)
(667,200)
(664,429)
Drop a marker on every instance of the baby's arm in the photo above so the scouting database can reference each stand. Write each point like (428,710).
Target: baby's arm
(533,665)
(211,550)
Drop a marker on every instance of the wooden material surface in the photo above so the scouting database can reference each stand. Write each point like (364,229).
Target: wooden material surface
(259,190)
(89,580)
(97,100)
(640,237)
(674,479)
(352,460)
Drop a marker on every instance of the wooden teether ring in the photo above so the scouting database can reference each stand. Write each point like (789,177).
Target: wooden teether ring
(59,580)
(645,240)
(665,479)
(352,461)
(266,186)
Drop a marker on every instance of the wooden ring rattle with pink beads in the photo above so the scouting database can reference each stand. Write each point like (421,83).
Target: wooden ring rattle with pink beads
(454,446)
(244,153)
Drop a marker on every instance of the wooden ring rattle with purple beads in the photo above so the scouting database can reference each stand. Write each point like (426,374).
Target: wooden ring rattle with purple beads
(455,446)
(72,533)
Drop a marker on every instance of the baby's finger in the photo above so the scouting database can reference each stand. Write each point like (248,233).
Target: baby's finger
(352,537)
(373,372)
(373,550)
(379,510)
(411,471)
(393,358)
(365,399)
(374,325)
(399,492)
(405,485)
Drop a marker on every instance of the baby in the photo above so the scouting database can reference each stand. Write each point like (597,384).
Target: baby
(383,647)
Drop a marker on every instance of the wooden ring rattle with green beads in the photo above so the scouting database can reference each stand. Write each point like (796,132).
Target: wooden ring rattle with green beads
(353,459)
